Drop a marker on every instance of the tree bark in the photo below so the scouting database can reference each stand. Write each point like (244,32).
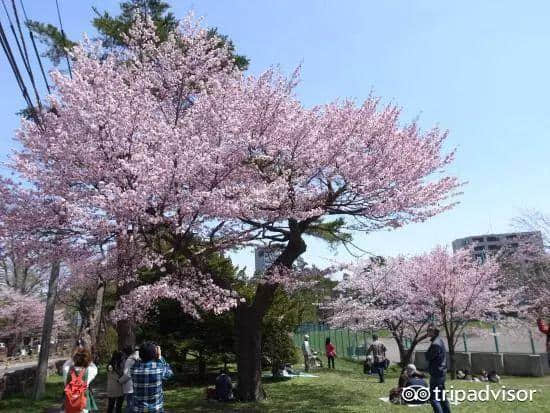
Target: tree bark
(202,366)
(125,328)
(248,322)
(95,315)
(452,359)
(249,345)
(42,368)
(126,334)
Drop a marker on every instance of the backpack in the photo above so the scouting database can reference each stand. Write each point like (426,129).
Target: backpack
(75,392)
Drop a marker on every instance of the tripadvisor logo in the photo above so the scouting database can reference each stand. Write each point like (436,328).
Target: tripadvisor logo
(421,394)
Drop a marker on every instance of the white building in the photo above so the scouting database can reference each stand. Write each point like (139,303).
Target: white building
(492,243)
(264,257)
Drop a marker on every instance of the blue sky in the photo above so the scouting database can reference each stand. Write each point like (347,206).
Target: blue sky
(478,68)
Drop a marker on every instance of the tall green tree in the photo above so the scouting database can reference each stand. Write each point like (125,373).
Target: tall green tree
(113,29)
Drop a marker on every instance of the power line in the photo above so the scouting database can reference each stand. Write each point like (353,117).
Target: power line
(31,34)
(29,70)
(13,63)
(64,37)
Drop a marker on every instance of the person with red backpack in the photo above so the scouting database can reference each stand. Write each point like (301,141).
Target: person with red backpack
(77,379)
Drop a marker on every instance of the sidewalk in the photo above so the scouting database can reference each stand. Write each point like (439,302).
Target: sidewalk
(4,368)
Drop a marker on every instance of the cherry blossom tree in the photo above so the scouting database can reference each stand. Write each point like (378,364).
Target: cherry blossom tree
(167,151)
(20,316)
(461,290)
(379,295)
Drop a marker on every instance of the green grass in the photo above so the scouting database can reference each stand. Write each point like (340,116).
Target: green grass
(348,390)
(343,390)
(23,404)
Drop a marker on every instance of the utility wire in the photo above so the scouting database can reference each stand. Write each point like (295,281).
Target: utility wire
(20,42)
(29,69)
(15,69)
(64,38)
(38,57)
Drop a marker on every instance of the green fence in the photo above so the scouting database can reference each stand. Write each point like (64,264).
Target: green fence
(348,343)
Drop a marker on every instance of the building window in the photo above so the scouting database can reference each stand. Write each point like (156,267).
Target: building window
(477,239)
(481,248)
(492,239)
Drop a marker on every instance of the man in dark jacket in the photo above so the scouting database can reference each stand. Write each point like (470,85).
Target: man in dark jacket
(437,367)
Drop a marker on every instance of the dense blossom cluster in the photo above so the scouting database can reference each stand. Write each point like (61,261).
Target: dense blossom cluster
(169,138)
(19,313)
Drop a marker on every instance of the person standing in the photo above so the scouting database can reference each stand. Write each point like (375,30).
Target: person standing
(544,328)
(148,374)
(378,350)
(330,351)
(77,379)
(306,350)
(437,367)
(115,370)
(126,379)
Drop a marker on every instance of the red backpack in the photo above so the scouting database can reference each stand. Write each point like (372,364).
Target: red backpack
(75,392)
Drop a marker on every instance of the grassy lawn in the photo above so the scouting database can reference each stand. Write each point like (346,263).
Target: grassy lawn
(348,390)
(23,404)
(343,390)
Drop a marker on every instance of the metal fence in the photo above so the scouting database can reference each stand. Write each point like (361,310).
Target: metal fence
(353,344)
(348,343)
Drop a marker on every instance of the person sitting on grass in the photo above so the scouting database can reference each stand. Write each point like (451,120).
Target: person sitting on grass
(290,370)
(367,365)
(148,374)
(409,377)
(493,377)
(483,376)
(224,387)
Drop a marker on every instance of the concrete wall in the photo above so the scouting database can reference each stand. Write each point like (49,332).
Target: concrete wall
(420,360)
(487,362)
(22,381)
(512,364)
(524,364)
(462,360)
(545,365)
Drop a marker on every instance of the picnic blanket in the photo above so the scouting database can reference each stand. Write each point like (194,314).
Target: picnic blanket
(306,375)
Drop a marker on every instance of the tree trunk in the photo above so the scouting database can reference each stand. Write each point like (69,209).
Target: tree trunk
(248,320)
(11,346)
(202,366)
(95,315)
(249,342)
(42,368)
(126,334)
(125,328)
(452,359)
